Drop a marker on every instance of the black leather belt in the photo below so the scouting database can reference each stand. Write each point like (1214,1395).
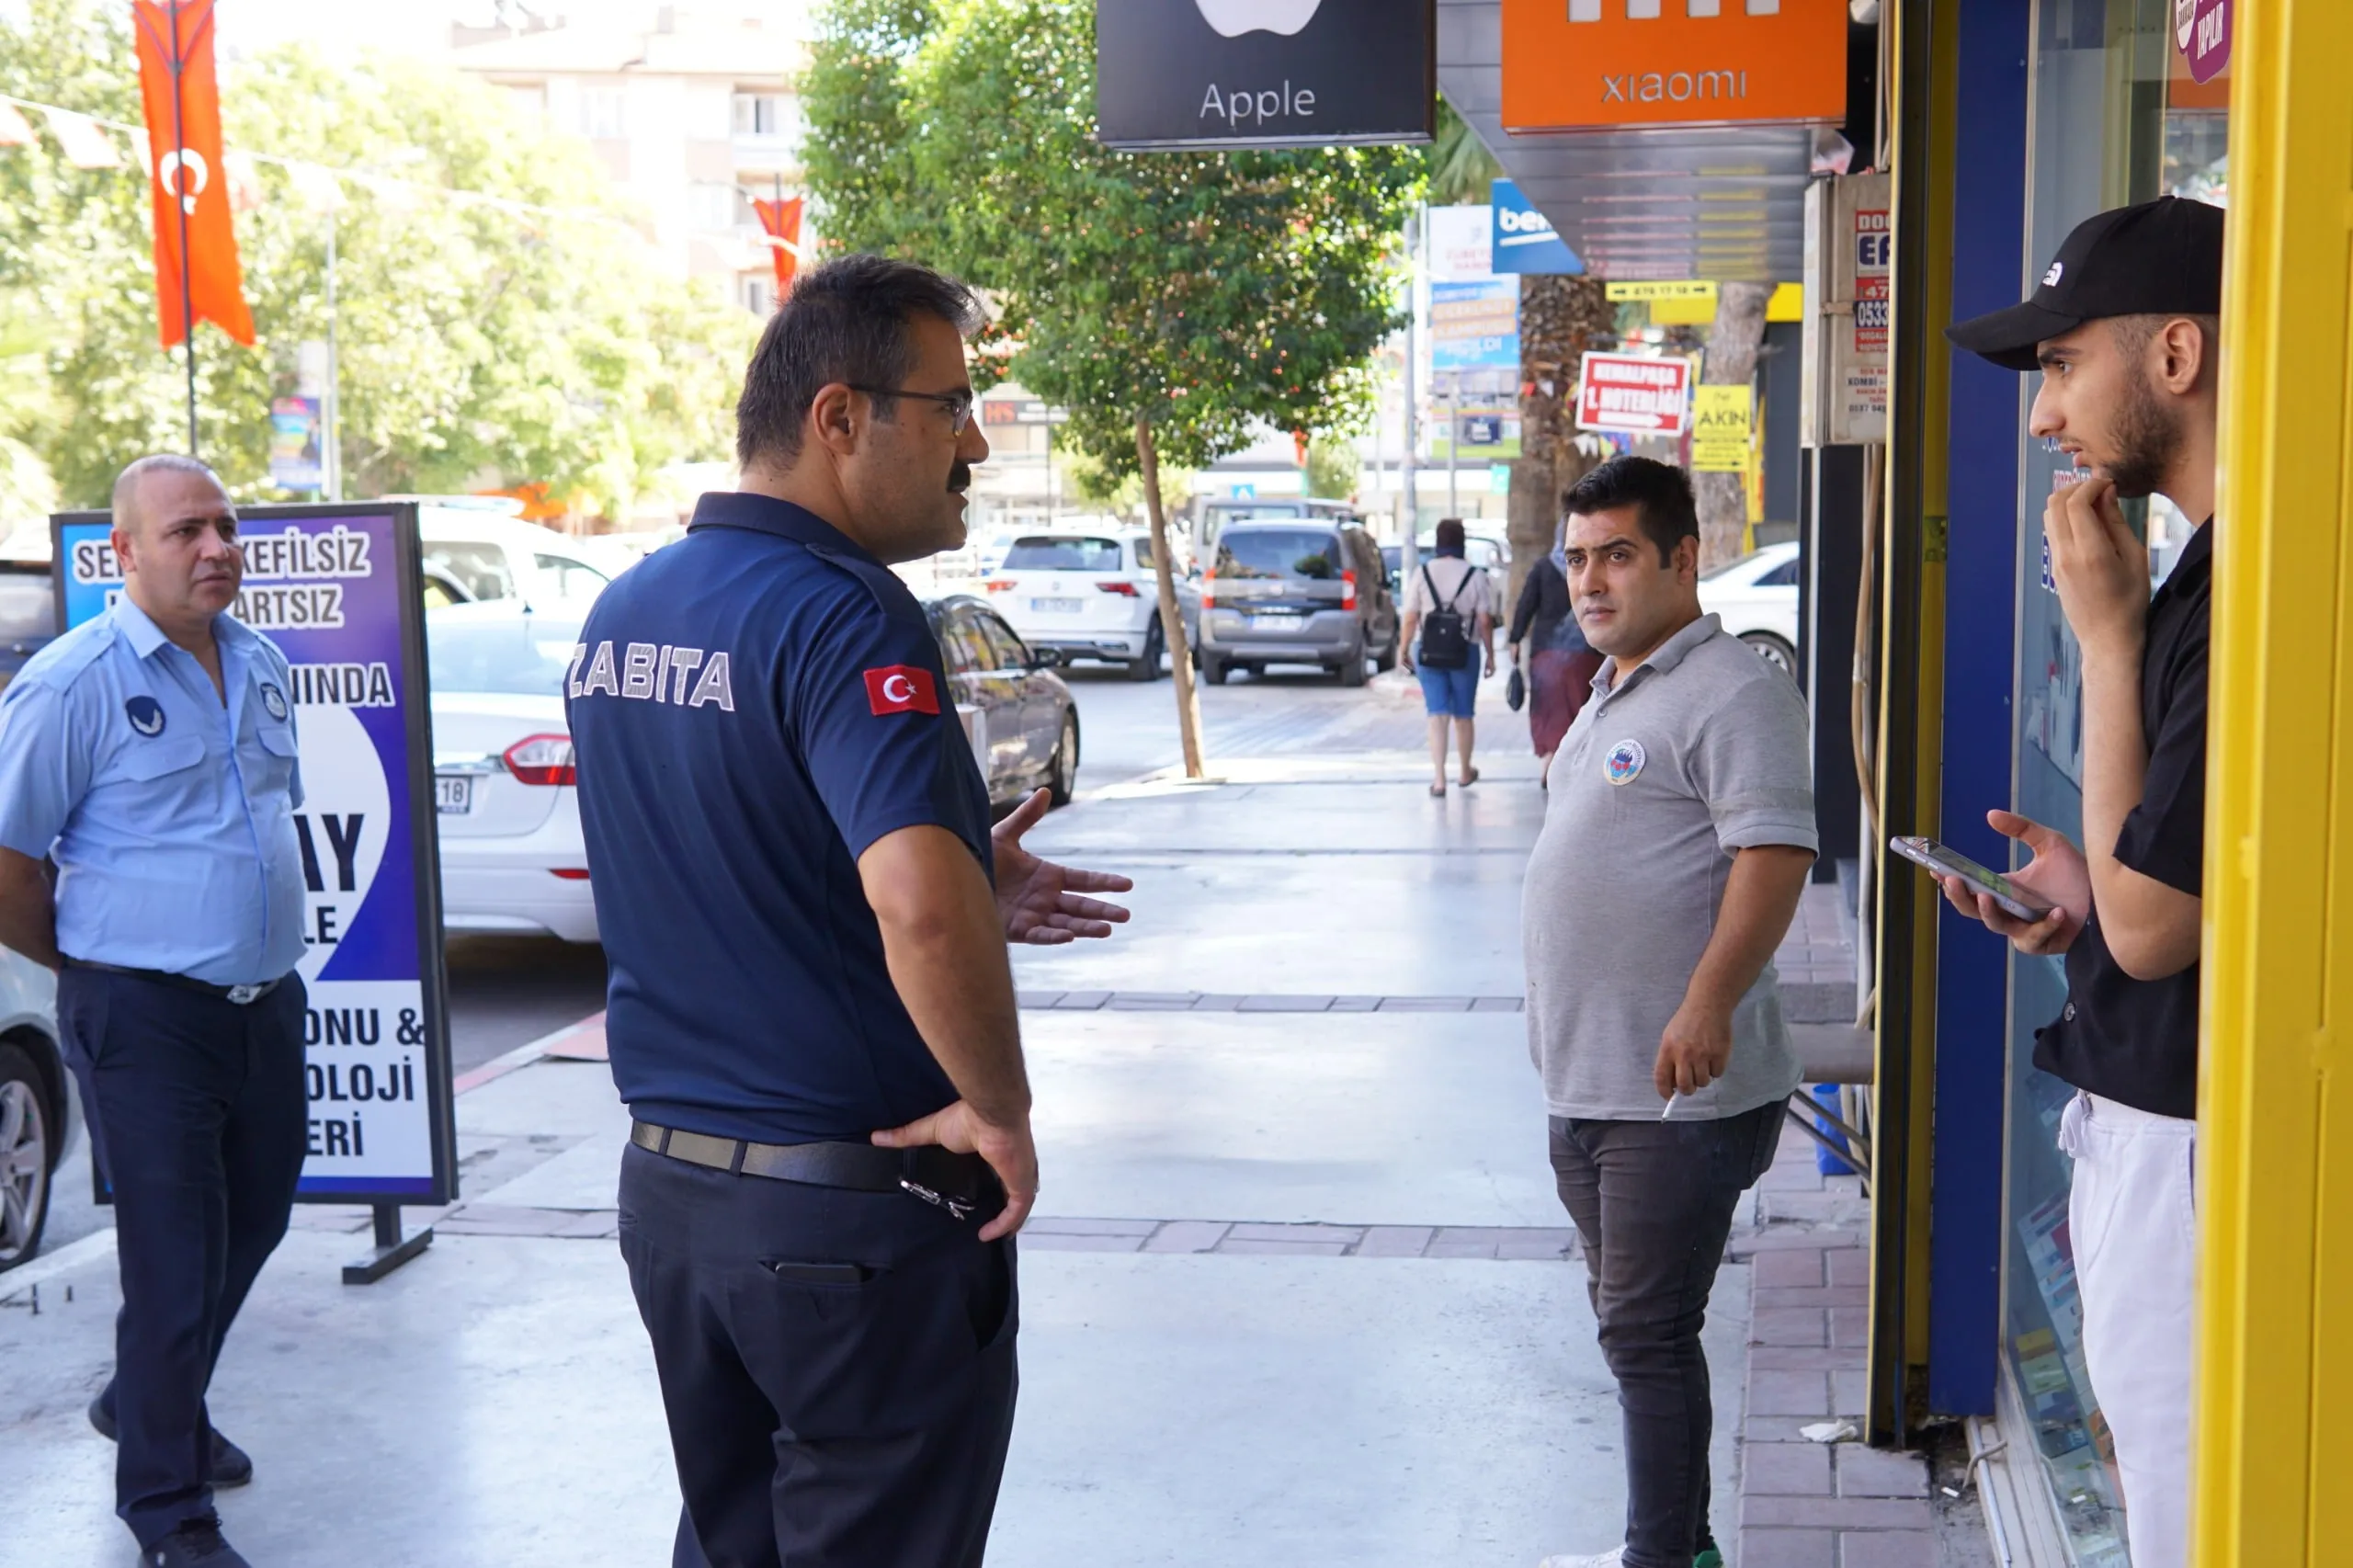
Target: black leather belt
(242,995)
(958,1183)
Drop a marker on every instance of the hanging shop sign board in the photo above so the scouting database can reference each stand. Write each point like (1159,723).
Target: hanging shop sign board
(1021,411)
(1849,276)
(1695,290)
(1719,429)
(1475,325)
(339,590)
(1595,65)
(1461,244)
(1634,394)
(1265,73)
(1524,239)
(2202,30)
(296,458)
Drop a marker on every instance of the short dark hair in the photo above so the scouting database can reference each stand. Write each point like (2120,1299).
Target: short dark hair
(1660,493)
(1451,535)
(847,320)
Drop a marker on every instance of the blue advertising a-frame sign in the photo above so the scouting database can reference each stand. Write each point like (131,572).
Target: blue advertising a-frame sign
(339,589)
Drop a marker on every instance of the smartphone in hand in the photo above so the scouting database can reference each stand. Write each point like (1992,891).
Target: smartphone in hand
(1947,862)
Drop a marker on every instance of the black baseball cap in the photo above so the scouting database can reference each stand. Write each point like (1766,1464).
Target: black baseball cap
(2162,257)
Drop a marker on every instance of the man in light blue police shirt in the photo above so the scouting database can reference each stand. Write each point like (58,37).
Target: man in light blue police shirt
(806,911)
(149,753)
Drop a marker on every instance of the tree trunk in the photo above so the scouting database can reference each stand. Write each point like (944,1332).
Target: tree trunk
(1172,619)
(1559,318)
(1732,344)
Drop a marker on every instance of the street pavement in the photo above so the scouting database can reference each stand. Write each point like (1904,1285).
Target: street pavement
(1299,1292)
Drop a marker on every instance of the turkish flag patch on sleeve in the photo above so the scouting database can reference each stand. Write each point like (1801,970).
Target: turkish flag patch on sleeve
(902,689)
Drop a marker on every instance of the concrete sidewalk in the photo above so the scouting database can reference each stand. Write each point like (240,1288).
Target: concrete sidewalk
(1300,1293)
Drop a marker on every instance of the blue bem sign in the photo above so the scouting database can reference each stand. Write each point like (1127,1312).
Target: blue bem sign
(1524,238)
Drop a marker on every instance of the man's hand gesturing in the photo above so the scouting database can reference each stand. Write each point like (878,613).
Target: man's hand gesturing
(1045,904)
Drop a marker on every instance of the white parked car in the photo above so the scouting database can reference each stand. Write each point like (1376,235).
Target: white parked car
(512,857)
(1091,595)
(41,1108)
(1758,596)
(483,543)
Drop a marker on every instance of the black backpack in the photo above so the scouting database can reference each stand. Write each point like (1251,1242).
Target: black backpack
(1446,639)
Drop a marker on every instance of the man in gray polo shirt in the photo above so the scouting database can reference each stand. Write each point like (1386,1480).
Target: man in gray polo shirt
(1677,836)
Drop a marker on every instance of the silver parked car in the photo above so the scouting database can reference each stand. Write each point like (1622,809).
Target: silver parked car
(40,1109)
(1304,592)
(1018,713)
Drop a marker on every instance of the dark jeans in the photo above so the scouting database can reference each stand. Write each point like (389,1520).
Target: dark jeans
(1653,1202)
(852,1422)
(199,1122)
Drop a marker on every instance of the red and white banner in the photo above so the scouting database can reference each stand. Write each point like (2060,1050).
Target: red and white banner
(1633,394)
(197,274)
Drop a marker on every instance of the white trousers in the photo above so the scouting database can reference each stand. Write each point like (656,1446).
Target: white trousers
(2132,1218)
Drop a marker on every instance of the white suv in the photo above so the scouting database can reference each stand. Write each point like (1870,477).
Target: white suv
(482,543)
(1090,594)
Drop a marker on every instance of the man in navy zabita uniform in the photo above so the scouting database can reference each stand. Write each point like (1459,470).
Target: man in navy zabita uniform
(811,1014)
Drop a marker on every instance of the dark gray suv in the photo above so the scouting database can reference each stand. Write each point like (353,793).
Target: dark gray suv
(1296,591)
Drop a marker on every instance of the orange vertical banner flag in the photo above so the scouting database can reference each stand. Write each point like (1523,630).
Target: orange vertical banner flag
(197,274)
(783,221)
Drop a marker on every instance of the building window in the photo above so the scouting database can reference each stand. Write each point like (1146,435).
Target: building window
(757,291)
(711,206)
(601,113)
(759,114)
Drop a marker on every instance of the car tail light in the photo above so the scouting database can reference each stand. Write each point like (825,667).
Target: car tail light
(998,586)
(1347,588)
(1126,590)
(571,873)
(541,759)
(1208,590)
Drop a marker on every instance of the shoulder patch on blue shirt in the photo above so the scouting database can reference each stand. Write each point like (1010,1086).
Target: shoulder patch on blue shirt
(65,660)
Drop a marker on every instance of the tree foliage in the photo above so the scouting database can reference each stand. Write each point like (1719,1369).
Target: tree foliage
(477,345)
(1203,293)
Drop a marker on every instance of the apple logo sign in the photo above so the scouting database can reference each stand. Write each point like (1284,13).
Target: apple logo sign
(1231,18)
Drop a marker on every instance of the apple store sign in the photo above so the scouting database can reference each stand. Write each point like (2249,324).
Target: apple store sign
(1263,73)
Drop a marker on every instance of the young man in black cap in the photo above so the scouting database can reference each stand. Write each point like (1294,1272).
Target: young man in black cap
(2124,331)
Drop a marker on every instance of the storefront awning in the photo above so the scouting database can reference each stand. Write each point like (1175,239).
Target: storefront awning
(1725,203)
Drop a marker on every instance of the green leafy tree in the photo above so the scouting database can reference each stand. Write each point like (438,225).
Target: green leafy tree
(478,344)
(1173,301)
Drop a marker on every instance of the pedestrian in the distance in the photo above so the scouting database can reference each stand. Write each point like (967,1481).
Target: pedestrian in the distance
(150,754)
(1561,664)
(2125,330)
(1449,640)
(805,913)
(1675,847)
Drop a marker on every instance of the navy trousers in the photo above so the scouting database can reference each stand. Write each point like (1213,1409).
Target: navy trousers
(199,1120)
(837,1367)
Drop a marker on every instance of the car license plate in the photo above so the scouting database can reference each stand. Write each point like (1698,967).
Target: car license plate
(1277,620)
(1057,606)
(453,791)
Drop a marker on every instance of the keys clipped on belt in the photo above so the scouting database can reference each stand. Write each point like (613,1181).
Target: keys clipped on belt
(956,1208)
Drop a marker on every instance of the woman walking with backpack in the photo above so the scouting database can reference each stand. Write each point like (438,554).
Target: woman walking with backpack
(1447,605)
(1561,663)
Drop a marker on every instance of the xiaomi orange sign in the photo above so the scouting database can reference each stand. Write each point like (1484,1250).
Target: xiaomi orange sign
(1586,64)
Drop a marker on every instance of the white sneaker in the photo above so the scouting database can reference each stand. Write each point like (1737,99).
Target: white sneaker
(1614,1558)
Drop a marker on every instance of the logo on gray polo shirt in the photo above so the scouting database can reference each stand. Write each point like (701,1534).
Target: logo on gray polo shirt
(1624,762)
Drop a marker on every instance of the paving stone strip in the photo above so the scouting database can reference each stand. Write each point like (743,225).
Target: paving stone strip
(1504,1243)
(1263,1002)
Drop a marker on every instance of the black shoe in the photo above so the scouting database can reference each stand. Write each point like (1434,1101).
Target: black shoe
(231,1466)
(196,1544)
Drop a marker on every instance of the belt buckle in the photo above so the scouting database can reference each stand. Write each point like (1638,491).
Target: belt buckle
(956,1208)
(244,995)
